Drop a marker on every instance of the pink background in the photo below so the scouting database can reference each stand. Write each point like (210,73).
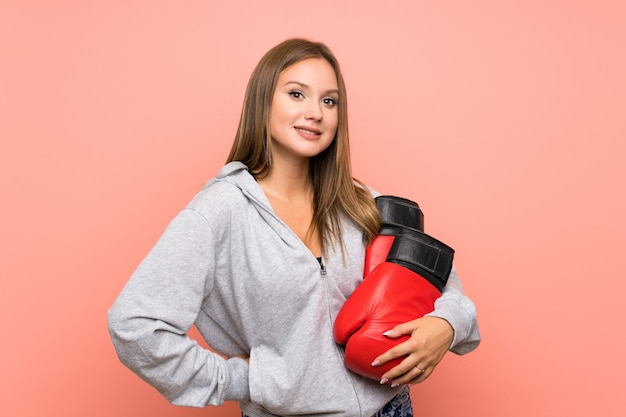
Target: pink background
(505,120)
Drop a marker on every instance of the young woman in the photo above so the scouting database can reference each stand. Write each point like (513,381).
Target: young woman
(262,260)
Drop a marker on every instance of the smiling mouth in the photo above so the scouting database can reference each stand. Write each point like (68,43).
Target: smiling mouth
(308,132)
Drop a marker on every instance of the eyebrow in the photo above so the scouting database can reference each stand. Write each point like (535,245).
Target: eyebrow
(303,85)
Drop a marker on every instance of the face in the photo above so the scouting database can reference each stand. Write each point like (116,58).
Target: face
(303,116)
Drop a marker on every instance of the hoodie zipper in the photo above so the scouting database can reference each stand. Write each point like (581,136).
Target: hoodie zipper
(322,266)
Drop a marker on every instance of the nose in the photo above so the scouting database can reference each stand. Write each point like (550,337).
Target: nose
(313,111)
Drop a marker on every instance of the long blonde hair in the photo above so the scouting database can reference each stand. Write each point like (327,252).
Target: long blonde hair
(335,191)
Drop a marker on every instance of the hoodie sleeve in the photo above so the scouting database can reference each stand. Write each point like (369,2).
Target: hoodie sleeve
(149,320)
(458,310)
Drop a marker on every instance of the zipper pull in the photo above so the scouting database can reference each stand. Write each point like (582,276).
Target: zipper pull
(322,267)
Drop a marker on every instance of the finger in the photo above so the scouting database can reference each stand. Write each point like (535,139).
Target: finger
(413,376)
(406,370)
(400,330)
(421,377)
(401,349)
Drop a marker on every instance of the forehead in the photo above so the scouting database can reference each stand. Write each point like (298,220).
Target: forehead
(313,72)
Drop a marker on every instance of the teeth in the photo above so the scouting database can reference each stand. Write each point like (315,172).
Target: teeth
(307,131)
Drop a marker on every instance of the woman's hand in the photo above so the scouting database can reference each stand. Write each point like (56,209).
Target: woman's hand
(429,341)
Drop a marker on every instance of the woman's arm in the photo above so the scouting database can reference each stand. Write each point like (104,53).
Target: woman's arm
(150,318)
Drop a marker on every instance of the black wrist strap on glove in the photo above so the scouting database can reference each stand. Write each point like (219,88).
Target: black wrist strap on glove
(424,255)
(397,212)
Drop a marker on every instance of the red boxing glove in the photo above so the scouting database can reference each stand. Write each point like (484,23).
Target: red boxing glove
(399,290)
(395,212)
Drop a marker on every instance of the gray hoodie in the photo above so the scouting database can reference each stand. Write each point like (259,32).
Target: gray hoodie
(229,265)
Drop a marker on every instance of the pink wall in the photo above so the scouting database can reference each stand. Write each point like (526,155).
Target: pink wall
(504,119)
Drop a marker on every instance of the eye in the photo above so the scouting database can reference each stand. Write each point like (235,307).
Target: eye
(329,101)
(296,94)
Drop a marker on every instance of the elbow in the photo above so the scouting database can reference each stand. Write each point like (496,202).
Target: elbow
(122,335)
(116,323)
(115,327)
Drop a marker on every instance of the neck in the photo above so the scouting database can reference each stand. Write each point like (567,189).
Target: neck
(287,180)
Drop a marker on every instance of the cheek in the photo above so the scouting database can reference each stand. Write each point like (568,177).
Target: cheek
(333,122)
(282,112)
(277,119)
